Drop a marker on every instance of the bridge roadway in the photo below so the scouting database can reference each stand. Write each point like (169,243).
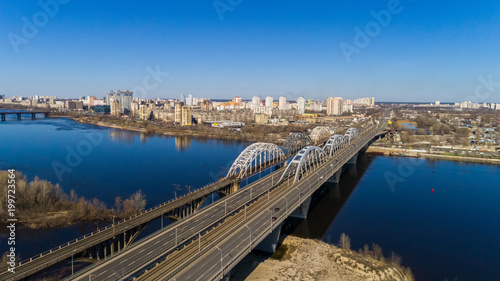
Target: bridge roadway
(199,261)
(78,245)
(176,235)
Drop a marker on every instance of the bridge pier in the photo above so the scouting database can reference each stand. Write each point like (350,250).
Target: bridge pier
(235,186)
(18,116)
(3,116)
(270,243)
(354,159)
(33,116)
(336,177)
(302,210)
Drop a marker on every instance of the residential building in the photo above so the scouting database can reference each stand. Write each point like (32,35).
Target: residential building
(282,103)
(269,101)
(301,105)
(334,106)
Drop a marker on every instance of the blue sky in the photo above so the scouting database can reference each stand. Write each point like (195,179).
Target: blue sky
(429,50)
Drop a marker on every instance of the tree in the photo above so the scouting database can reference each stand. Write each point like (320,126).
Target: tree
(118,205)
(377,252)
(345,241)
(395,259)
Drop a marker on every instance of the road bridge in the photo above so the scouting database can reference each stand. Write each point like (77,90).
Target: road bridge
(114,238)
(21,113)
(215,258)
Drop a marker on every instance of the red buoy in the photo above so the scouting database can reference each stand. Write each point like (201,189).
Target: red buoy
(201,164)
(433,190)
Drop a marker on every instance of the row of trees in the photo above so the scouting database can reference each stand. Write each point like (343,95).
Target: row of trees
(36,198)
(376,253)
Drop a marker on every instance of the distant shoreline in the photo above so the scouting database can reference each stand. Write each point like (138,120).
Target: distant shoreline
(404,153)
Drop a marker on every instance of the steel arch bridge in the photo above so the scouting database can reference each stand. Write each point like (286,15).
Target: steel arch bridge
(335,143)
(296,141)
(319,133)
(255,156)
(303,162)
(351,134)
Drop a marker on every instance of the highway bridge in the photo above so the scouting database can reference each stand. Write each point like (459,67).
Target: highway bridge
(21,113)
(258,223)
(253,214)
(115,238)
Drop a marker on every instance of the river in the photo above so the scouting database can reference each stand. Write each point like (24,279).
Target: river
(441,217)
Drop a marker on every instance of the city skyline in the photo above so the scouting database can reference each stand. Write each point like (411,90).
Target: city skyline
(416,54)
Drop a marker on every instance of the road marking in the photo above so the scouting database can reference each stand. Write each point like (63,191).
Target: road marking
(112,274)
(149,253)
(123,261)
(158,242)
(142,250)
(131,263)
(102,272)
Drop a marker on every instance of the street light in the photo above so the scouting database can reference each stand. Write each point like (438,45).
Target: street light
(221,264)
(72,254)
(271,228)
(249,238)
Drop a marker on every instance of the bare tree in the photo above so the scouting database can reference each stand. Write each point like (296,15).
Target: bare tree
(395,259)
(345,241)
(377,252)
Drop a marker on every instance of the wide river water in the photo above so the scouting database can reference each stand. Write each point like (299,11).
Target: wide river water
(442,218)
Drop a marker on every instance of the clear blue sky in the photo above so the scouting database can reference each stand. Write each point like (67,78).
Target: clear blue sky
(430,50)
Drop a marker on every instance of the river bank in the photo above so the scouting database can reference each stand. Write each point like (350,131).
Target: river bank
(404,152)
(197,131)
(308,259)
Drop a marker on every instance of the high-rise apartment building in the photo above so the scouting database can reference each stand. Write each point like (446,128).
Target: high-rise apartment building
(334,106)
(187,116)
(255,101)
(301,105)
(124,100)
(269,101)
(282,103)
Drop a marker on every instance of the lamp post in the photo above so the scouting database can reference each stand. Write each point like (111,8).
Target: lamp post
(249,239)
(72,254)
(221,264)
(271,228)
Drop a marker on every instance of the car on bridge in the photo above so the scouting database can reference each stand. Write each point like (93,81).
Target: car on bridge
(276,209)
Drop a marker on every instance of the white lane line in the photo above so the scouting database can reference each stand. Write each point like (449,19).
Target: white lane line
(131,263)
(102,272)
(142,250)
(149,253)
(158,242)
(111,274)
(123,261)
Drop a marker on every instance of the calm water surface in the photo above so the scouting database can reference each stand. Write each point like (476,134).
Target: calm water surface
(451,232)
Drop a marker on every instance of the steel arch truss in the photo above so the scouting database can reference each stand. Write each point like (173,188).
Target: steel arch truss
(351,134)
(320,133)
(255,156)
(308,158)
(335,143)
(295,142)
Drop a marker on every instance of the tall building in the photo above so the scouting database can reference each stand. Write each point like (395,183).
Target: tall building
(187,116)
(301,105)
(181,98)
(269,101)
(178,112)
(255,101)
(124,100)
(189,100)
(437,103)
(334,106)
(115,108)
(282,103)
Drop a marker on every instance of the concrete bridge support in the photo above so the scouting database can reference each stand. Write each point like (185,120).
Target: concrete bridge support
(270,243)
(336,177)
(3,117)
(18,116)
(302,210)
(235,186)
(354,159)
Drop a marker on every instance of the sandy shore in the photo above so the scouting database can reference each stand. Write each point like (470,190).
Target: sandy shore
(308,260)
